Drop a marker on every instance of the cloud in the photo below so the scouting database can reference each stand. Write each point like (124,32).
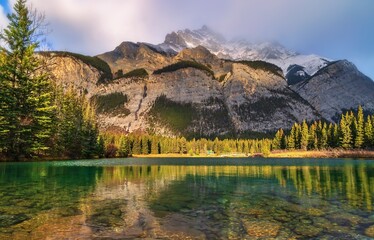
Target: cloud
(335,28)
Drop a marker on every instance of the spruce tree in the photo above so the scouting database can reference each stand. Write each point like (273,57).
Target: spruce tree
(359,127)
(304,136)
(25,91)
(277,142)
(345,132)
(155,145)
(369,133)
(291,139)
(124,147)
(324,137)
(312,136)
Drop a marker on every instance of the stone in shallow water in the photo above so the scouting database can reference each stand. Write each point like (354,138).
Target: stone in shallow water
(260,229)
(370,231)
(315,212)
(344,219)
(307,230)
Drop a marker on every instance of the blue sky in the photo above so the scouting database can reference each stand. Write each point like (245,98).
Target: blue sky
(335,29)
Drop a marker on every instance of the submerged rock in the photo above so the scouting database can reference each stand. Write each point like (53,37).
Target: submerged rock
(261,229)
(308,230)
(370,231)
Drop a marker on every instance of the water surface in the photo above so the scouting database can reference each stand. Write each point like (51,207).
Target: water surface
(188,199)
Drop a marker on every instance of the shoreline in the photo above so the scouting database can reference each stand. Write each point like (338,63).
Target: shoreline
(276,154)
(351,154)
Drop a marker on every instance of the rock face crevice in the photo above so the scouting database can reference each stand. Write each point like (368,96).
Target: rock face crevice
(211,96)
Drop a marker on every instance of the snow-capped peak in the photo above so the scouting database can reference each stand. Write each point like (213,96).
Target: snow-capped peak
(272,52)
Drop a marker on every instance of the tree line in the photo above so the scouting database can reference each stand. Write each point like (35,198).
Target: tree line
(353,131)
(121,145)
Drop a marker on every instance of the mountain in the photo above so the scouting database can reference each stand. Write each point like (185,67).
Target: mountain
(241,49)
(336,87)
(198,84)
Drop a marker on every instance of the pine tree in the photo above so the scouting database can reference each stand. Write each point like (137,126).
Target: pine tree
(124,147)
(369,133)
(291,139)
(144,145)
(100,147)
(359,127)
(336,136)
(136,146)
(324,137)
(182,145)
(277,142)
(312,137)
(297,136)
(304,136)
(155,145)
(25,92)
(345,133)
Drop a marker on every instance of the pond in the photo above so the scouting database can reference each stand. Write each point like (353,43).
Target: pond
(188,198)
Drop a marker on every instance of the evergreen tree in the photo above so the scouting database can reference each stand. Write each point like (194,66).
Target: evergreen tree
(291,139)
(25,92)
(345,132)
(216,149)
(100,147)
(136,146)
(336,136)
(369,133)
(144,145)
(359,127)
(304,136)
(324,137)
(312,137)
(297,136)
(155,145)
(182,145)
(124,147)
(277,142)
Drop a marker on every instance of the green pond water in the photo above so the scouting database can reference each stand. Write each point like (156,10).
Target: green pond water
(188,199)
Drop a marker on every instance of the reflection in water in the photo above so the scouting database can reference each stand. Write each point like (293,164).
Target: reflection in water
(330,200)
(355,182)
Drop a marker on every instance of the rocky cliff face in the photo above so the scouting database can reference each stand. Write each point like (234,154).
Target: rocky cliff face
(172,89)
(71,72)
(337,87)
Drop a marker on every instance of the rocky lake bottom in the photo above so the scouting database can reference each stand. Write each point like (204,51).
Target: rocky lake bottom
(188,199)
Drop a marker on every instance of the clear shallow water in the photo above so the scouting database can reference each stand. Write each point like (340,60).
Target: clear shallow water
(188,199)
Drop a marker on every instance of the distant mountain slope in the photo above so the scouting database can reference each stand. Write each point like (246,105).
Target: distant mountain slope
(336,87)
